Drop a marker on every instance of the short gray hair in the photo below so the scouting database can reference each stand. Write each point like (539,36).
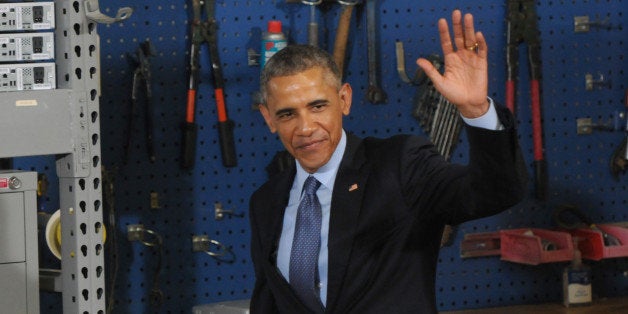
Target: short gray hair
(295,59)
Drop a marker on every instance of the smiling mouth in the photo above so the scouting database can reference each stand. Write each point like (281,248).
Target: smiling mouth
(309,145)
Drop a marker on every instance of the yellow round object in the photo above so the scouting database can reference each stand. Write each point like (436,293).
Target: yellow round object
(58,234)
(53,234)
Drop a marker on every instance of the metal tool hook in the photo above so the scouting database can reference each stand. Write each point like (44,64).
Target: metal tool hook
(219,212)
(202,243)
(348,2)
(311,2)
(92,9)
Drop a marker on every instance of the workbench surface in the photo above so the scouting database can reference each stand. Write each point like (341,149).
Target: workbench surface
(600,306)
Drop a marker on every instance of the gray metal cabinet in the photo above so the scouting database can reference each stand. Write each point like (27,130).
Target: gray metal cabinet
(19,269)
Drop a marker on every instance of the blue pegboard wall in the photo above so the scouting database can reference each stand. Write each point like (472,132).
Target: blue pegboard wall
(578,165)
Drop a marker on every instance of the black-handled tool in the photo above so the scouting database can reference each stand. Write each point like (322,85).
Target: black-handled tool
(375,94)
(205,31)
(141,74)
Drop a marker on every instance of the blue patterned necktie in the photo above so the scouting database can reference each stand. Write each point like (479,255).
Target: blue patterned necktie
(306,246)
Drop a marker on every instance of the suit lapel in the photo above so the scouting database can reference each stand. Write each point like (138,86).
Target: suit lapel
(345,209)
(281,185)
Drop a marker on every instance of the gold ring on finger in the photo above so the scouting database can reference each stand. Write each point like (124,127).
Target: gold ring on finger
(473,47)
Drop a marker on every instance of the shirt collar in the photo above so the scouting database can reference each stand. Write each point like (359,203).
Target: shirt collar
(326,174)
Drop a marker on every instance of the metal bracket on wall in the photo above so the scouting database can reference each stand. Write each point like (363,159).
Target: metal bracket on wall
(480,244)
(93,13)
(590,82)
(202,243)
(137,233)
(220,213)
(583,25)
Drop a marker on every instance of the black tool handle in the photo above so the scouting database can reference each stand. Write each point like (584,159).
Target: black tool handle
(540,169)
(189,145)
(227,146)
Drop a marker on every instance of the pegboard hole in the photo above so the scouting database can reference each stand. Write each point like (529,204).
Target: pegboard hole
(99,293)
(83,227)
(98,271)
(84,272)
(82,184)
(78,73)
(83,206)
(84,250)
(96,183)
(76,6)
(77,28)
(96,205)
(85,294)
(98,249)
(77,51)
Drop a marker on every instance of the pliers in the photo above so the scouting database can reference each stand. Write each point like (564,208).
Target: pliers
(142,74)
(523,27)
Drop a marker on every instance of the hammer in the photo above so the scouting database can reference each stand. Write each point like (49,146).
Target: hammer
(342,33)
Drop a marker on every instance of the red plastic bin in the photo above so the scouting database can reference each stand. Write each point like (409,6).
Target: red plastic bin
(591,242)
(535,246)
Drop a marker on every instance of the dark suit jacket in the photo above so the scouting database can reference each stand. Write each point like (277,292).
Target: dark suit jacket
(384,236)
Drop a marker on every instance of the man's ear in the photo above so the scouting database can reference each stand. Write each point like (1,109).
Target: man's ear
(263,109)
(345,94)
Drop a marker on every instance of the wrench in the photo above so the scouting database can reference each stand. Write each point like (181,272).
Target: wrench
(374,94)
(342,33)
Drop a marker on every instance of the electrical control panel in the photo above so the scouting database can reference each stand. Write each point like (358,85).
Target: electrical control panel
(26,46)
(27,76)
(27,16)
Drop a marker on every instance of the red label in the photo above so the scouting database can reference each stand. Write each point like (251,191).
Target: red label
(4,183)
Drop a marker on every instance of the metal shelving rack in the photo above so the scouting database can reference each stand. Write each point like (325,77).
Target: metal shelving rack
(65,122)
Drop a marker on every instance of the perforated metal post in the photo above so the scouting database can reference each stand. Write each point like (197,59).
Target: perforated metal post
(79,172)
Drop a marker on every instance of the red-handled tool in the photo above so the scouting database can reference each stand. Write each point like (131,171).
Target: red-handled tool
(523,27)
(205,31)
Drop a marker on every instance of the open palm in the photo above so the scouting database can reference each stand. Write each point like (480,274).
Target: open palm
(464,81)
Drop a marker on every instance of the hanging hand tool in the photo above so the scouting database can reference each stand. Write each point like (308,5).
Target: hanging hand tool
(619,160)
(342,33)
(142,73)
(205,32)
(312,28)
(522,27)
(375,94)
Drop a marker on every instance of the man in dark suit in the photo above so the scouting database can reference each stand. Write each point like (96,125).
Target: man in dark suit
(381,204)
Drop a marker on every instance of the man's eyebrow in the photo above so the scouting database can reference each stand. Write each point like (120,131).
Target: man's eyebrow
(310,104)
(317,102)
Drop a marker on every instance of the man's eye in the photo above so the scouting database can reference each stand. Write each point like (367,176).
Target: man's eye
(285,115)
(319,107)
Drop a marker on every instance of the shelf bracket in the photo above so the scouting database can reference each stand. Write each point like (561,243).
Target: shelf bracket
(93,13)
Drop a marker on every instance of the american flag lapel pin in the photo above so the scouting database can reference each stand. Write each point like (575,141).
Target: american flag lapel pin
(353,187)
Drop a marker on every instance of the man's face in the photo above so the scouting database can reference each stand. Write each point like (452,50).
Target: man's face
(306,112)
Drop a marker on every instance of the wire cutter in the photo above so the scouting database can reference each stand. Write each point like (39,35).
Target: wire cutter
(205,32)
(523,27)
(142,73)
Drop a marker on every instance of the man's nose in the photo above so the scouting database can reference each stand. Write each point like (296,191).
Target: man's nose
(307,124)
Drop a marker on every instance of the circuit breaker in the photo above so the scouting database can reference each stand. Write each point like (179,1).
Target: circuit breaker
(19,268)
